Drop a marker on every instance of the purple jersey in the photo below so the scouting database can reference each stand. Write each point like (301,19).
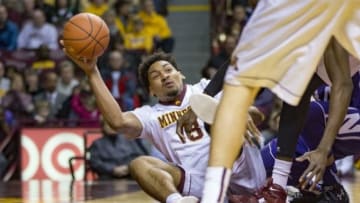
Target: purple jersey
(323,92)
(347,141)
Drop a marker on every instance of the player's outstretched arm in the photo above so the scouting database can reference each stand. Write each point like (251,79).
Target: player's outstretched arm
(337,68)
(124,122)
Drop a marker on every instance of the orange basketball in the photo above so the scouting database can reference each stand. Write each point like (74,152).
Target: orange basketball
(86,35)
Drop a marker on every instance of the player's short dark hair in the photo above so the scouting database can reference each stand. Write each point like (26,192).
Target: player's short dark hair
(147,62)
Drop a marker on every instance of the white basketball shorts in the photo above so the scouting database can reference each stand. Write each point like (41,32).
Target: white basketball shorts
(284,40)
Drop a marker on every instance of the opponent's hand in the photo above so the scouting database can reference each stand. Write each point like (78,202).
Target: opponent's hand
(252,134)
(317,163)
(257,116)
(185,124)
(87,65)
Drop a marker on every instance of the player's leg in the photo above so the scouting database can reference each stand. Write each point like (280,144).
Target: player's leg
(292,120)
(268,157)
(227,137)
(160,180)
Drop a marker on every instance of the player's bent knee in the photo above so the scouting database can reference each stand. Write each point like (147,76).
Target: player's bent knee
(142,163)
(140,160)
(137,165)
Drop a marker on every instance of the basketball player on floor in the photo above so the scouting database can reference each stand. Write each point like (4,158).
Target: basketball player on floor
(279,48)
(185,172)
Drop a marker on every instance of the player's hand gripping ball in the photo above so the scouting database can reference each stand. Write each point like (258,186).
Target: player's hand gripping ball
(86,36)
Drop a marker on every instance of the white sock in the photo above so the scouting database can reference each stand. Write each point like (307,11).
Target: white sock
(216,183)
(173,197)
(281,172)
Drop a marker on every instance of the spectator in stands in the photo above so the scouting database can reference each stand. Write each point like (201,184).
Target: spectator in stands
(123,10)
(239,15)
(122,82)
(236,22)
(50,94)
(116,37)
(38,32)
(10,71)
(43,60)
(67,81)
(32,81)
(14,10)
(111,154)
(62,11)
(4,81)
(41,113)
(139,39)
(83,104)
(228,23)
(117,44)
(17,100)
(45,7)
(66,113)
(97,7)
(110,19)
(157,26)
(8,31)
(161,7)
(223,57)
(20,11)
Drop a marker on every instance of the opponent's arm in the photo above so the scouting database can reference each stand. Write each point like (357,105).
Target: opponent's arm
(216,83)
(123,122)
(337,67)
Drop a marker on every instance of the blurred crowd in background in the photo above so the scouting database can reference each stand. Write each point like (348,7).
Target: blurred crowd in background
(39,86)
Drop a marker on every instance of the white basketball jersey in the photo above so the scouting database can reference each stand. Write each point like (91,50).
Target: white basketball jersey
(159,126)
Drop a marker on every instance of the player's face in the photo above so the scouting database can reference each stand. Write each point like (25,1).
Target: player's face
(165,82)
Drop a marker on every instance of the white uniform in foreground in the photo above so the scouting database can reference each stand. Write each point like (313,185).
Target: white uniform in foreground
(284,40)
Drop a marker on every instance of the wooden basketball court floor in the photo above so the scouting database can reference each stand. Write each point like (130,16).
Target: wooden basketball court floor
(121,191)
